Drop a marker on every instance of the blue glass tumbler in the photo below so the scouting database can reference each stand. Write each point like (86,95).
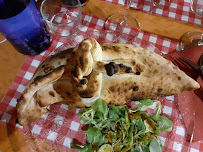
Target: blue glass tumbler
(22,25)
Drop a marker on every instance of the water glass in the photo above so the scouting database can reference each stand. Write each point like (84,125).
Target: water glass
(197,7)
(22,25)
(63,17)
(190,39)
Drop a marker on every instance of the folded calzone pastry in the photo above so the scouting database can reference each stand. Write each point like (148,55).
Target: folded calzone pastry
(115,72)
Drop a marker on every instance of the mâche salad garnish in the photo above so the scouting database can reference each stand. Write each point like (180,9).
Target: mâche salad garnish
(123,129)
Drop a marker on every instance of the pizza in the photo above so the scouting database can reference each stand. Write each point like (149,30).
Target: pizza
(115,72)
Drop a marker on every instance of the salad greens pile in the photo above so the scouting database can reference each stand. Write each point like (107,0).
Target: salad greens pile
(119,128)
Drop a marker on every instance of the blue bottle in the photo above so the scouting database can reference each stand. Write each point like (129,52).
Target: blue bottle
(22,25)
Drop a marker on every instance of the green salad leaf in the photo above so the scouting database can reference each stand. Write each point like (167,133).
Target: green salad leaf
(94,136)
(123,129)
(155,146)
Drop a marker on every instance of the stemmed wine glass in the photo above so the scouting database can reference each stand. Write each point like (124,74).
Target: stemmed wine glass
(197,7)
(119,21)
(159,2)
(63,18)
(190,39)
(164,4)
(194,38)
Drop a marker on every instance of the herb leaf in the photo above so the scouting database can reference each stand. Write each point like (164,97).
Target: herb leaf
(155,146)
(94,136)
(143,104)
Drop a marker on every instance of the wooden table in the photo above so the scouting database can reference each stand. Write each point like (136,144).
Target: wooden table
(11,61)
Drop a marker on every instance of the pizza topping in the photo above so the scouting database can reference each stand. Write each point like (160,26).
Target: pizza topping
(111,68)
(51,93)
(138,73)
(135,88)
(128,70)
(83,81)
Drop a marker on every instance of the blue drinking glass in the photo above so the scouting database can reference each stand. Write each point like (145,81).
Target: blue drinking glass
(22,25)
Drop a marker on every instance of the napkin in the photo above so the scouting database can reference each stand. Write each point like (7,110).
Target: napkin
(191,103)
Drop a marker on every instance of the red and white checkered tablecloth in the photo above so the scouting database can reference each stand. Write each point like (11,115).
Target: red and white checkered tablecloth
(177,9)
(61,126)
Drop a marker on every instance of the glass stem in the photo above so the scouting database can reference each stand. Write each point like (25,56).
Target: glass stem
(156,2)
(128,5)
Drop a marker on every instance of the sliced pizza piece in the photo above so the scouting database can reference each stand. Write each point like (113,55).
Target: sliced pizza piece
(160,77)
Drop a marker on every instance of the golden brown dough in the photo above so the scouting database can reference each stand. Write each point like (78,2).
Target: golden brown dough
(77,77)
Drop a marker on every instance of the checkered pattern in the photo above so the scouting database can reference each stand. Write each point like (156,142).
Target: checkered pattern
(175,9)
(61,126)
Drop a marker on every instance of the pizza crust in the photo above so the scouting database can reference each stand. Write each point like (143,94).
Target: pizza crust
(79,76)
(161,77)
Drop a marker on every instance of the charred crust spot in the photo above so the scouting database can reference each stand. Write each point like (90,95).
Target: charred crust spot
(116,49)
(105,47)
(159,90)
(121,65)
(138,73)
(112,88)
(51,93)
(125,90)
(179,78)
(155,71)
(17,121)
(110,103)
(21,98)
(43,65)
(133,63)
(62,54)
(128,70)
(83,81)
(136,88)
(38,78)
(126,47)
